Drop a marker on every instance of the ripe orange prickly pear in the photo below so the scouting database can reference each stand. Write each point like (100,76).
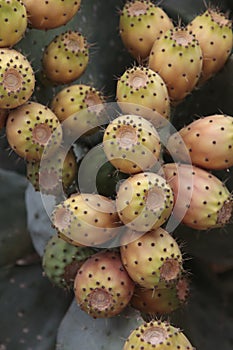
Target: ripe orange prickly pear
(132,144)
(213,30)
(141,23)
(144,201)
(177,57)
(157,335)
(102,286)
(51,13)
(143,92)
(202,201)
(207,142)
(152,259)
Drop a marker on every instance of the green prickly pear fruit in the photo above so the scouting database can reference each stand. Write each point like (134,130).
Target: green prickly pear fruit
(202,201)
(102,286)
(62,260)
(17,80)
(213,30)
(141,23)
(162,300)
(157,335)
(177,57)
(208,140)
(143,92)
(33,131)
(46,177)
(13,17)
(131,144)
(81,106)
(51,13)
(144,201)
(65,58)
(86,219)
(153,259)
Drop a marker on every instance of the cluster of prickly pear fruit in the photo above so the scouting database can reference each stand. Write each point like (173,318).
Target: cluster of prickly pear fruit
(115,246)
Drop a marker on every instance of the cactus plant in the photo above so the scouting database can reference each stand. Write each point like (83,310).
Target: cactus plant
(33,309)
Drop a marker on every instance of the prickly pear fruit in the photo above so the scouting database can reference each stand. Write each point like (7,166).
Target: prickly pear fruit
(33,131)
(162,300)
(157,335)
(144,201)
(202,201)
(213,30)
(143,92)
(177,57)
(17,80)
(86,219)
(51,13)
(13,17)
(62,260)
(141,23)
(131,144)
(46,177)
(65,58)
(208,140)
(81,106)
(153,259)
(102,286)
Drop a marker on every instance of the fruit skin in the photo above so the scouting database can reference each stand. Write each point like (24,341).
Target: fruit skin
(177,57)
(102,286)
(14,16)
(86,219)
(50,14)
(141,23)
(157,335)
(17,80)
(162,300)
(81,107)
(62,260)
(46,177)
(33,131)
(65,58)
(213,30)
(153,259)
(144,201)
(207,142)
(143,92)
(202,201)
(131,143)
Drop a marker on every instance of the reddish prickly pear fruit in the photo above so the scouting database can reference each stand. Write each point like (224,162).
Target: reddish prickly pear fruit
(207,142)
(153,259)
(51,13)
(132,144)
(47,176)
(144,201)
(213,30)
(141,23)
(81,106)
(65,58)
(86,219)
(102,286)
(157,335)
(33,131)
(17,80)
(177,57)
(13,17)
(143,92)
(202,201)
(162,300)
(62,260)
